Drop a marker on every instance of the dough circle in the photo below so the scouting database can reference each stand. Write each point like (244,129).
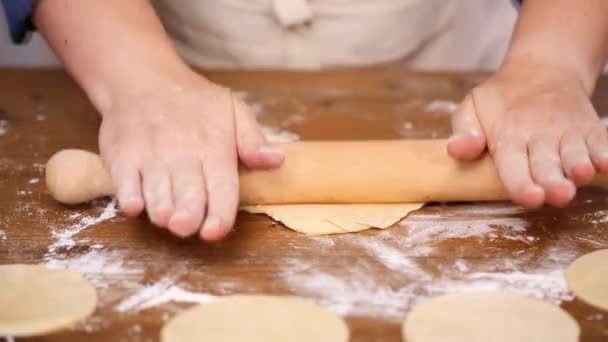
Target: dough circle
(320,219)
(587,277)
(36,300)
(488,316)
(255,318)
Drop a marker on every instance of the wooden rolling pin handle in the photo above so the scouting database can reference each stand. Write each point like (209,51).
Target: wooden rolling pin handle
(322,172)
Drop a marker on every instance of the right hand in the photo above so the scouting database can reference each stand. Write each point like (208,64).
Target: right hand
(173,147)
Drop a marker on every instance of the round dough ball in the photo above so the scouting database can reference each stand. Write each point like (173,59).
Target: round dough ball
(488,316)
(35,300)
(587,277)
(253,318)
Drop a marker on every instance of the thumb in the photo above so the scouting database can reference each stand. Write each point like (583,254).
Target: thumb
(467,141)
(254,151)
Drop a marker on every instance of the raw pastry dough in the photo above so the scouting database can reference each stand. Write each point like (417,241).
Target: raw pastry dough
(35,300)
(253,318)
(587,277)
(488,316)
(318,219)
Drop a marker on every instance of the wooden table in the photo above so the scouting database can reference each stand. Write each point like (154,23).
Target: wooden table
(372,278)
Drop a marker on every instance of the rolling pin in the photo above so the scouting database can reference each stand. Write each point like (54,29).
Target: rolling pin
(398,171)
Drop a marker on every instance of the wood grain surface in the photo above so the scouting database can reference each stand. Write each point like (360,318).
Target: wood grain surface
(145,276)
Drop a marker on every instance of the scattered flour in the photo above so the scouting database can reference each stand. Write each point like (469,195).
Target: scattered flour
(354,293)
(549,285)
(293,119)
(597,217)
(442,106)
(159,293)
(424,229)
(256,108)
(34,180)
(358,289)
(2,235)
(461,265)
(3,127)
(323,240)
(65,237)
(96,265)
(279,136)
(391,257)
(39,167)
(240,94)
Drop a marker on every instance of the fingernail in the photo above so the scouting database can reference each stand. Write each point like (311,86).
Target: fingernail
(179,224)
(211,228)
(469,134)
(271,151)
(603,155)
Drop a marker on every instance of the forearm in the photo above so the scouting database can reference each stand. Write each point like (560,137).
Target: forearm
(571,35)
(109,46)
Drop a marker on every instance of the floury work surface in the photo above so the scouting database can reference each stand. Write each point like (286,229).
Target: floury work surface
(144,276)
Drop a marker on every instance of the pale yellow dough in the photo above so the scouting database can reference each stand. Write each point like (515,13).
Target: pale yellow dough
(319,219)
(35,300)
(587,277)
(255,318)
(488,316)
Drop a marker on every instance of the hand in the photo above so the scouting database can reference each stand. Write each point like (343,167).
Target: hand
(541,129)
(173,148)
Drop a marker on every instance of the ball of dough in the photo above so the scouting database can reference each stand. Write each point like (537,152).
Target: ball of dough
(35,300)
(587,277)
(488,316)
(253,318)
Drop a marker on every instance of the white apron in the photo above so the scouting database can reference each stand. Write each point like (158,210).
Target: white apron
(314,34)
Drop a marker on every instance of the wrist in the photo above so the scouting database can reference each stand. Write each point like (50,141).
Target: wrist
(139,81)
(540,63)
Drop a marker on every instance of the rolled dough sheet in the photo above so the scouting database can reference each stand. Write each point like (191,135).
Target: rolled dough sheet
(587,277)
(35,300)
(319,219)
(489,316)
(255,318)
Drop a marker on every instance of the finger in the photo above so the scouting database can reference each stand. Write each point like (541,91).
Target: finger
(253,149)
(467,141)
(546,170)
(597,143)
(574,154)
(127,183)
(157,193)
(513,168)
(223,195)
(189,198)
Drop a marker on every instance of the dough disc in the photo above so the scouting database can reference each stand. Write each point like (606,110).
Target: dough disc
(319,219)
(587,277)
(36,300)
(488,316)
(253,318)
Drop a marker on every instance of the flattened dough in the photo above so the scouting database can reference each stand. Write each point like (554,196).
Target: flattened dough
(255,318)
(35,300)
(587,277)
(319,219)
(488,316)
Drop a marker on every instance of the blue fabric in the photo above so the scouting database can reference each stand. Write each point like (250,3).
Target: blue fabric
(19,18)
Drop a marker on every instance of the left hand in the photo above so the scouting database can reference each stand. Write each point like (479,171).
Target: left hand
(540,127)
